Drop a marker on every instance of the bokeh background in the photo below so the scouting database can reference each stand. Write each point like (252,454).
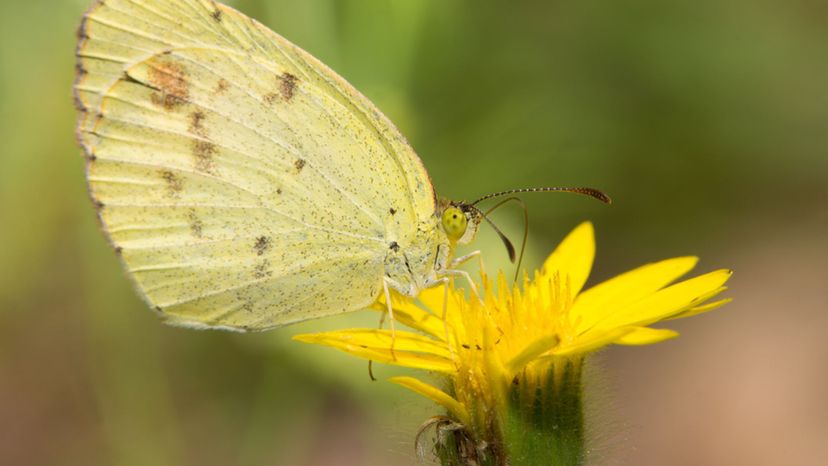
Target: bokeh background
(707,121)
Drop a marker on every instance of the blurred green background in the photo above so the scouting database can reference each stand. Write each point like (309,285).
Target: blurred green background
(706,121)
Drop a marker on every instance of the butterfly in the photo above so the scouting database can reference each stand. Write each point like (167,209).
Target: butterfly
(244,184)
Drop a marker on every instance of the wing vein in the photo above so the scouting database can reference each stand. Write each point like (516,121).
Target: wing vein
(192,173)
(259,207)
(284,272)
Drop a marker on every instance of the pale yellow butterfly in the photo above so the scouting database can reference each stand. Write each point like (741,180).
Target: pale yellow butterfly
(243,183)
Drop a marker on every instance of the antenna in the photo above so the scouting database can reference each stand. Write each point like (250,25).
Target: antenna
(591,192)
(525,229)
(509,247)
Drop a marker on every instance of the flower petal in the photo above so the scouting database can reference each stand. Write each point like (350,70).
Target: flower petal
(572,259)
(436,395)
(700,309)
(410,349)
(670,301)
(434,299)
(594,304)
(591,341)
(530,353)
(646,336)
(407,312)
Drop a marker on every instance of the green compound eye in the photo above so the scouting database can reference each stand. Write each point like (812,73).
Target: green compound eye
(454,223)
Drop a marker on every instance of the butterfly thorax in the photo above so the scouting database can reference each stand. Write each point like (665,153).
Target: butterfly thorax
(413,264)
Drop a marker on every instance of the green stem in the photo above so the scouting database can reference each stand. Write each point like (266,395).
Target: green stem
(540,423)
(544,422)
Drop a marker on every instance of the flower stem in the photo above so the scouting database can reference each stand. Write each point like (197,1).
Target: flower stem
(544,421)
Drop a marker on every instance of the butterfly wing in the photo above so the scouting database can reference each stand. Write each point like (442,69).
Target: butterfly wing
(244,184)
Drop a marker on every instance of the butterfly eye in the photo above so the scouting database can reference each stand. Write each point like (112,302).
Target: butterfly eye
(454,223)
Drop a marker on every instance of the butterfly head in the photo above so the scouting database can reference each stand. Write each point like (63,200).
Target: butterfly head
(460,222)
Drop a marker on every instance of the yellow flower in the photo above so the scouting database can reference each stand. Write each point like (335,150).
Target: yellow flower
(517,346)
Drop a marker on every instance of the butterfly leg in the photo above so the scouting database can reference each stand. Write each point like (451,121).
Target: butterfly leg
(390,315)
(445,282)
(370,361)
(463,259)
(464,274)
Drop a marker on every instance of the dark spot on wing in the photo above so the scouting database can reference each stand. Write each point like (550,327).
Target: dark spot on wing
(204,152)
(465,346)
(270,98)
(392,211)
(288,86)
(299,164)
(80,32)
(216,14)
(197,123)
(197,228)
(170,80)
(174,183)
(262,245)
(196,225)
(278,190)
(118,250)
(407,265)
(167,101)
(222,86)
(394,246)
(262,269)
(80,74)
(79,106)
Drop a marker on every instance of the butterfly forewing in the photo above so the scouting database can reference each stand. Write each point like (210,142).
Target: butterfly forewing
(244,184)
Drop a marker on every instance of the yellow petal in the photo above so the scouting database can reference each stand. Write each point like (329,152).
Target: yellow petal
(670,301)
(591,341)
(530,353)
(433,298)
(572,259)
(410,349)
(594,304)
(646,336)
(454,407)
(408,313)
(437,301)
(701,309)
